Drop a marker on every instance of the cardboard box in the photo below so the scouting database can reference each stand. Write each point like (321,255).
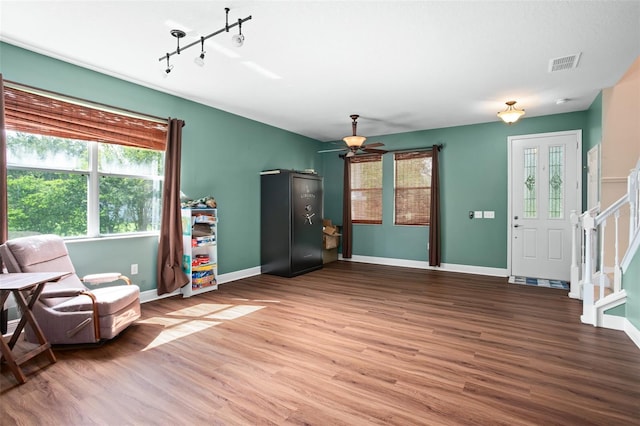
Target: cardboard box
(330,255)
(330,235)
(330,241)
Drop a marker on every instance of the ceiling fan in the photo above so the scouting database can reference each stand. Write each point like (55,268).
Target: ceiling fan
(355,143)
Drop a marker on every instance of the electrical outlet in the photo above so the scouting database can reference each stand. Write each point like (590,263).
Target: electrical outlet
(134,268)
(477,214)
(489,214)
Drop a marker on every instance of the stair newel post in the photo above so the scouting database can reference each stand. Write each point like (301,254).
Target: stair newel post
(588,224)
(633,189)
(576,241)
(617,273)
(601,277)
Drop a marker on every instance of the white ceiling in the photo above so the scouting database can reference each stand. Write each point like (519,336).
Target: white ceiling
(401,65)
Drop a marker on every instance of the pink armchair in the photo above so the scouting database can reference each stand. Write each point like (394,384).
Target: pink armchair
(67,311)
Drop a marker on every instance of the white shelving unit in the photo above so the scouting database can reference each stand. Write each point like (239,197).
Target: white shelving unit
(200,244)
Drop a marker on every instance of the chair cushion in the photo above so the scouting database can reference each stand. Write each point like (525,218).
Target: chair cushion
(110,300)
(41,253)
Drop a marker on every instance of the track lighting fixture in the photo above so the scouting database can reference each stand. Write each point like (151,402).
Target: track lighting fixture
(237,40)
(199,60)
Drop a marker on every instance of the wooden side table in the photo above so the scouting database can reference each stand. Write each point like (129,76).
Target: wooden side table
(26,289)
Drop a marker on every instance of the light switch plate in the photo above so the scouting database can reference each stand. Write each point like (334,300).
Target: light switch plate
(477,214)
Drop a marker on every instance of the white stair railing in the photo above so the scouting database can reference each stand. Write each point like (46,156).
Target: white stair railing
(589,243)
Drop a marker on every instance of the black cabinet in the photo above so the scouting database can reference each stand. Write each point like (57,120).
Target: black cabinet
(291,222)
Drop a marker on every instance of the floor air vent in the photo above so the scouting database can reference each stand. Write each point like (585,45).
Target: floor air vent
(564,63)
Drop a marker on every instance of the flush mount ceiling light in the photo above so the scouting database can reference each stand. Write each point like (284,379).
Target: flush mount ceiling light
(237,40)
(511,114)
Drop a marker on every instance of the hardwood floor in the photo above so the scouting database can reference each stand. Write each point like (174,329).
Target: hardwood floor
(351,344)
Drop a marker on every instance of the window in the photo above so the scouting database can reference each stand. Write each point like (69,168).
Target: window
(412,188)
(76,171)
(366,189)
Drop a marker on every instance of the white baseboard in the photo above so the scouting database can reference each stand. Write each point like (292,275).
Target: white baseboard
(613,322)
(419,264)
(151,295)
(238,275)
(632,332)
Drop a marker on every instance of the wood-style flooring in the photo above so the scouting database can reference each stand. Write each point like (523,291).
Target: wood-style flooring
(351,344)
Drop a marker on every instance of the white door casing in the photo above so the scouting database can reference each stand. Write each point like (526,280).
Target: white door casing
(544,187)
(593,177)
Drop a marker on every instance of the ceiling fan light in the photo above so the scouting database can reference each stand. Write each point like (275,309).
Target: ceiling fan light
(511,114)
(354,141)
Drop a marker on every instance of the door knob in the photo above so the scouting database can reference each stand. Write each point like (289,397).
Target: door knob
(516,226)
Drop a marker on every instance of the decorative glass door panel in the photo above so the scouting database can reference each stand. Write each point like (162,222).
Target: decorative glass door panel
(545,187)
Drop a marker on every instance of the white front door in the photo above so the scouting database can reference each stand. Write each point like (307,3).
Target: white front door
(544,187)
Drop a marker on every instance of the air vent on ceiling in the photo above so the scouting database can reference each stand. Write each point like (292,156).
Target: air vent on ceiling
(564,63)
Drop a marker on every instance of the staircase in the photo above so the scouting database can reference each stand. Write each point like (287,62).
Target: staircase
(596,267)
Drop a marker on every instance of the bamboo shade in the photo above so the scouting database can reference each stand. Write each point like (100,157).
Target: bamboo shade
(34,113)
(412,188)
(366,189)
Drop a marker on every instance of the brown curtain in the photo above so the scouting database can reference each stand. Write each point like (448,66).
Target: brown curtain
(4,225)
(170,252)
(435,254)
(4,206)
(346,210)
(52,114)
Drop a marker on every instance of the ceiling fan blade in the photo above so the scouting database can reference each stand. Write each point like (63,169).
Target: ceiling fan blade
(372,145)
(373,150)
(331,150)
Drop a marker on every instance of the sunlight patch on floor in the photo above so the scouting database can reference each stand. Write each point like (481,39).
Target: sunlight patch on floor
(194,319)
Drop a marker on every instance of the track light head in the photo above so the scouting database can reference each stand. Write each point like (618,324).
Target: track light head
(199,60)
(169,67)
(238,39)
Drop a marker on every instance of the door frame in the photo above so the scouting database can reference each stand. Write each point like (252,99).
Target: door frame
(579,167)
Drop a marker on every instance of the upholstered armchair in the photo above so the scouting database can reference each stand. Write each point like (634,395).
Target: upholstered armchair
(67,311)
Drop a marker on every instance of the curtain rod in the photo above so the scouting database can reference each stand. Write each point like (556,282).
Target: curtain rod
(428,148)
(83,102)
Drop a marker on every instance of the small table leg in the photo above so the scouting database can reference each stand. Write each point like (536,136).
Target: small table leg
(11,362)
(27,316)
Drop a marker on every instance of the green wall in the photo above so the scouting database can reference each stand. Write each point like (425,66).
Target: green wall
(222,155)
(473,175)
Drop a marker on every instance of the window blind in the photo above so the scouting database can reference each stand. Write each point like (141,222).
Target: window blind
(366,189)
(35,113)
(412,188)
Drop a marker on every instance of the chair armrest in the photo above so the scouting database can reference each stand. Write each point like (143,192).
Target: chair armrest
(107,277)
(62,292)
